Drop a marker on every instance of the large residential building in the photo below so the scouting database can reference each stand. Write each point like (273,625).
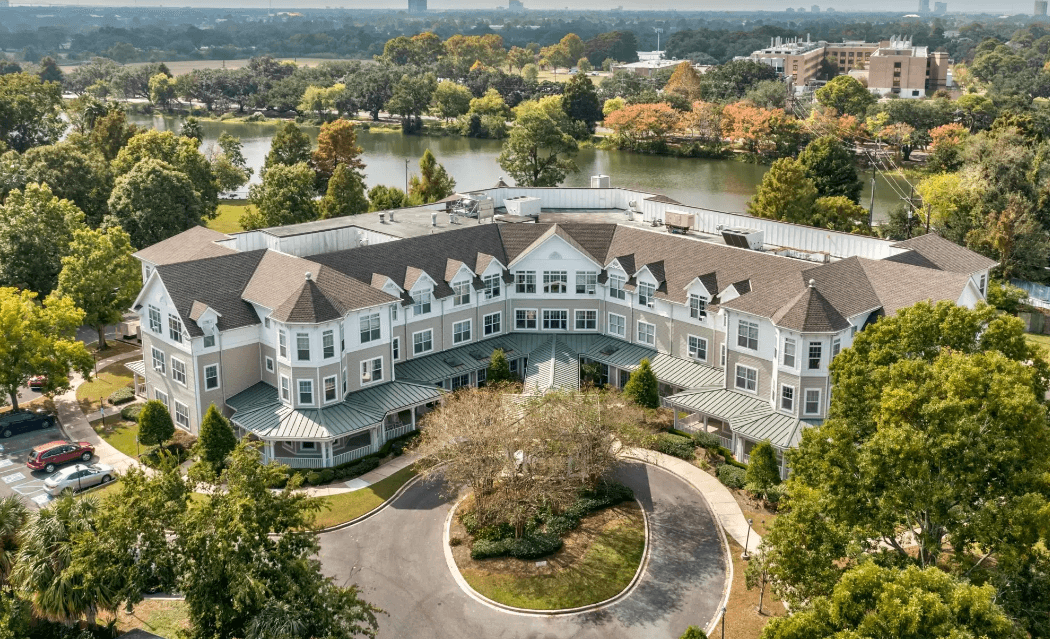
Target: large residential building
(325,339)
(892,66)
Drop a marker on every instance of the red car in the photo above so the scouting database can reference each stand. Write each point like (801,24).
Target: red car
(37,382)
(49,456)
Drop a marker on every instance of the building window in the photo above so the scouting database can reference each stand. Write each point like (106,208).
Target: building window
(698,348)
(460,381)
(372,370)
(812,406)
(586,320)
(723,358)
(306,391)
(330,393)
(282,343)
(423,341)
(209,341)
(787,398)
(461,332)
(266,322)
(393,313)
(344,381)
(646,292)
(586,283)
(461,291)
(647,333)
(161,397)
(556,320)
(814,355)
(789,353)
(525,281)
(746,378)
(158,361)
(984,282)
(492,323)
(327,344)
(182,414)
(422,301)
(174,328)
(369,328)
(154,319)
(211,377)
(482,375)
(342,338)
(396,348)
(616,290)
(525,319)
(269,364)
(555,281)
(617,325)
(747,335)
(285,388)
(302,346)
(836,346)
(492,286)
(697,306)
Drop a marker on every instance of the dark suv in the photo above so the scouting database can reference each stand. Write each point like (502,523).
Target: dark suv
(22,421)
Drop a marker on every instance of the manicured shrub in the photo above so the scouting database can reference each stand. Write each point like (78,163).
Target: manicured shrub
(313,478)
(704,439)
(155,425)
(731,476)
(763,471)
(642,386)
(131,413)
(676,446)
(562,524)
(122,396)
(534,546)
(327,475)
(692,632)
(217,440)
(488,548)
(361,467)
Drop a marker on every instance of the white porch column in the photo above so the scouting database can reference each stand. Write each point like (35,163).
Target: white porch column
(413,413)
(326,454)
(269,450)
(674,413)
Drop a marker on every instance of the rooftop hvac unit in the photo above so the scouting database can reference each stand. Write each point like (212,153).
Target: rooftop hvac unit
(524,206)
(474,206)
(743,238)
(679,222)
(601,182)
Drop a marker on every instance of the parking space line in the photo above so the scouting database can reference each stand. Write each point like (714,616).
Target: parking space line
(42,499)
(4,463)
(29,488)
(8,479)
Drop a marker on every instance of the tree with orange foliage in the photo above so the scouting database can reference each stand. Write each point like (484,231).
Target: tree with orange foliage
(748,125)
(638,123)
(827,121)
(685,81)
(946,145)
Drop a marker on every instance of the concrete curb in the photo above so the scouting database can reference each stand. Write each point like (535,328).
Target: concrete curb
(346,524)
(528,612)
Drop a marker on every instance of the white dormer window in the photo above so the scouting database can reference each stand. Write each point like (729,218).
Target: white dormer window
(393,313)
(983,285)
(461,292)
(369,328)
(747,335)
(646,292)
(492,286)
(175,328)
(154,320)
(586,283)
(616,290)
(697,306)
(555,281)
(422,303)
(209,340)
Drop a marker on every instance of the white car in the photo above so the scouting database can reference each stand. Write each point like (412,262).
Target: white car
(78,477)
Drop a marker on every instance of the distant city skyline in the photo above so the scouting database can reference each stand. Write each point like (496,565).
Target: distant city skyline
(903,7)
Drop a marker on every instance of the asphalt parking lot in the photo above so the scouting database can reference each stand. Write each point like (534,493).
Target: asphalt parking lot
(15,478)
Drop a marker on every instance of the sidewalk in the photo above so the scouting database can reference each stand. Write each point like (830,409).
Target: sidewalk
(74,423)
(722,503)
(364,481)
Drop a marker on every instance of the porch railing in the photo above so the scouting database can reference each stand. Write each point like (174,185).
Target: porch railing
(357,453)
(398,431)
(300,462)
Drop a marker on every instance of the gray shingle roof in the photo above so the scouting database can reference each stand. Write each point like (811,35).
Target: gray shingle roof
(810,312)
(900,285)
(193,244)
(947,255)
(215,281)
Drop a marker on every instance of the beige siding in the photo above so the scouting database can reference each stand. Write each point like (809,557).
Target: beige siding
(680,343)
(355,358)
(239,368)
(175,391)
(764,368)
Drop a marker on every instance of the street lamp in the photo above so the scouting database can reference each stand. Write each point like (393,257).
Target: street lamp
(747,539)
(658,31)
(406,177)
(723,622)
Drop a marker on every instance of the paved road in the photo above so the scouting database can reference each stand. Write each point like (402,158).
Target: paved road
(397,559)
(15,478)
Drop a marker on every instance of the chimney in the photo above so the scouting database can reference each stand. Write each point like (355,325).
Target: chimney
(433,218)
(813,283)
(309,276)
(391,215)
(382,218)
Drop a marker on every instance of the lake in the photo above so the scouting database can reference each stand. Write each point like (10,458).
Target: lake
(720,185)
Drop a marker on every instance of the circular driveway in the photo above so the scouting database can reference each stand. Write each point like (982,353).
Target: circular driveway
(397,559)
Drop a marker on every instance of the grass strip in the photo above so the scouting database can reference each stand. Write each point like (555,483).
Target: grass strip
(344,507)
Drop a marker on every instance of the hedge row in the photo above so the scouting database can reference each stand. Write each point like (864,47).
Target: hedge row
(531,546)
(351,469)
(122,396)
(131,413)
(731,476)
(710,441)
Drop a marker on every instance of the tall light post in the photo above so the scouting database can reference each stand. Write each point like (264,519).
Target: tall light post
(406,178)
(658,31)
(723,622)
(746,555)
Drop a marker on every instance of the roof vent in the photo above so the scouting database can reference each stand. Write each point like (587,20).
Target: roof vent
(813,283)
(309,276)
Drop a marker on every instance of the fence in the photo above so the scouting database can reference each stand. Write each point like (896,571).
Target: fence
(357,453)
(300,462)
(1038,294)
(398,431)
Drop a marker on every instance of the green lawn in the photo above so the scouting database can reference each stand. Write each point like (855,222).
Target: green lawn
(229,217)
(346,506)
(1040,340)
(109,380)
(120,435)
(161,617)
(604,571)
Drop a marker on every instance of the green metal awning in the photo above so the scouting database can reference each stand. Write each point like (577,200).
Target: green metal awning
(747,415)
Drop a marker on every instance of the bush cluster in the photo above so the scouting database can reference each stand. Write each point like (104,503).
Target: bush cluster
(122,396)
(351,469)
(180,446)
(131,413)
(731,476)
(704,439)
(676,446)
(530,546)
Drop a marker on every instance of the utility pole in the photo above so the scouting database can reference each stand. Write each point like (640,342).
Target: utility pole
(406,177)
(871,205)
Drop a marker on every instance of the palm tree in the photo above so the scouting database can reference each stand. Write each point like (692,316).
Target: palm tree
(59,589)
(13,517)
(277,620)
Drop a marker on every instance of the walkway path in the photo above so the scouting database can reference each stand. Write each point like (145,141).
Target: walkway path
(721,500)
(364,481)
(396,557)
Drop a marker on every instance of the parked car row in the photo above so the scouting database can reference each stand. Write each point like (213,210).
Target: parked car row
(20,421)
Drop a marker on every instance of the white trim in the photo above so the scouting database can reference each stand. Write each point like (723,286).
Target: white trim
(158,394)
(545,319)
(299,395)
(395,348)
(218,379)
(324,389)
(805,401)
(689,348)
(186,412)
(576,319)
(429,350)
(470,331)
(780,399)
(536,319)
(736,378)
(163,359)
(280,389)
(371,371)
(269,364)
(623,323)
(638,333)
(182,366)
(485,324)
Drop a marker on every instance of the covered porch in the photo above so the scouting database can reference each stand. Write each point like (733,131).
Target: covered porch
(334,435)
(138,374)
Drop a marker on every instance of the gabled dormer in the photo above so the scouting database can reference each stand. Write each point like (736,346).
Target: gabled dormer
(461,280)
(420,287)
(699,296)
(207,319)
